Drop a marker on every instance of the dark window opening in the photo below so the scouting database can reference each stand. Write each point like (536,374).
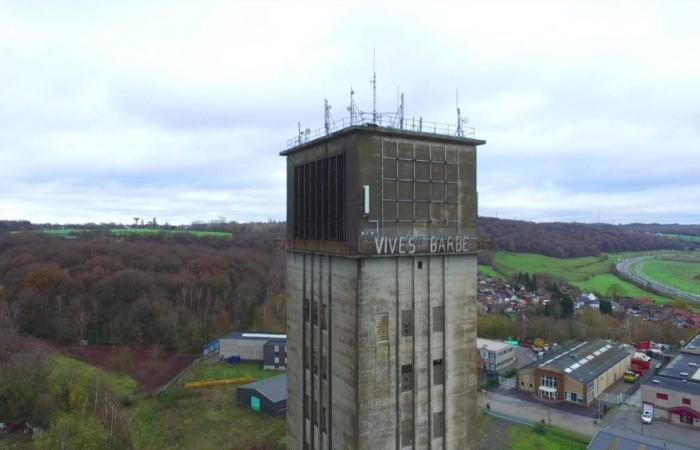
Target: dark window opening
(438,372)
(407,378)
(438,319)
(319,200)
(420,264)
(306,310)
(438,424)
(407,322)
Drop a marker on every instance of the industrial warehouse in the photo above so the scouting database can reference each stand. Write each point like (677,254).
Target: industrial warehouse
(268,396)
(675,391)
(576,373)
(268,348)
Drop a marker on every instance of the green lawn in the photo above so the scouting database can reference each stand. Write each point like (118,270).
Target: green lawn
(206,418)
(569,269)
(490,272)
(678,274)
(601,283)
(498,433)
(588,273)
(526,438)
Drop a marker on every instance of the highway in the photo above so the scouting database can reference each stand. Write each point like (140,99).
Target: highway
(629,270)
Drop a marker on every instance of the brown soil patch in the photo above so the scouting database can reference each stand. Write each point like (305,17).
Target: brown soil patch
(697,277)
(151,369)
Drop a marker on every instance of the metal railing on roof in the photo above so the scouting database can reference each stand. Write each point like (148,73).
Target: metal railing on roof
(387,120)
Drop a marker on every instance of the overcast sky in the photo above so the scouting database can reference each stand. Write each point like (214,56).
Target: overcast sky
(113,110)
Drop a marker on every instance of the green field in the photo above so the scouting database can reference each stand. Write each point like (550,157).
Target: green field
(206,418)
(136,231)
(490,272)
(678,274)
(588,273)
(684,237)
(601,284)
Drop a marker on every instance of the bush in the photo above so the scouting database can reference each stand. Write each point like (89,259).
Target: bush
(540,427)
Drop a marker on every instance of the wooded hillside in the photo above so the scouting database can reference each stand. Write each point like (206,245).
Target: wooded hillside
(176,292)
(566,240)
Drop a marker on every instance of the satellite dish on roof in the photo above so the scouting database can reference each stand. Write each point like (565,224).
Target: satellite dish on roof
(308,131)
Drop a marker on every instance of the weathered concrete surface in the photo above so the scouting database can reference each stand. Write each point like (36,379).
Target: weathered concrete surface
(361,396)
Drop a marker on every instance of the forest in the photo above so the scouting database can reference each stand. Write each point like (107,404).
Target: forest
(176,292)
(568,240)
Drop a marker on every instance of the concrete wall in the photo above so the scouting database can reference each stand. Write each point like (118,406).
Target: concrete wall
(438,158)
(391,286)
(309,277)
(610,376)
(364,402)
(675,400)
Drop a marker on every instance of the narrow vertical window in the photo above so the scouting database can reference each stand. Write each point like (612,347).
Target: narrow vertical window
(438,372)
(407,378)
(438,425)
(407,322)
(438,319)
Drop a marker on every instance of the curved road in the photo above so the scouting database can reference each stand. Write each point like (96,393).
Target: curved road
(628,269)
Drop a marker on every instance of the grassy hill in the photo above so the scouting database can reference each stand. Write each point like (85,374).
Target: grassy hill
(591,273)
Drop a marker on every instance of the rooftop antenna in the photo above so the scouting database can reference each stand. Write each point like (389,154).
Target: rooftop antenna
(374,85)
(352,108)
(460,132)
(327,119)
(401,111)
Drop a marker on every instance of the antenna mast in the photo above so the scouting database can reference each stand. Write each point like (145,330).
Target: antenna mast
(374,86)
(351,108)
(460,132)
(327,119)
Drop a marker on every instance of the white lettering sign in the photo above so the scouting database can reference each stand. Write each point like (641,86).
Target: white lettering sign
(408,245)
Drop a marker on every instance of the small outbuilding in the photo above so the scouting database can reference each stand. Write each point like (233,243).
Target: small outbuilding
(268,396)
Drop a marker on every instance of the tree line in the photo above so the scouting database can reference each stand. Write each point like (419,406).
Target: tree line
(568,240)
(177,292)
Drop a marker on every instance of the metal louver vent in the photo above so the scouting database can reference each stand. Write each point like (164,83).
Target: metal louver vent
(382,327)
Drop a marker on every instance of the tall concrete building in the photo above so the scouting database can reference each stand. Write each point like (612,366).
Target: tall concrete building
(381,270)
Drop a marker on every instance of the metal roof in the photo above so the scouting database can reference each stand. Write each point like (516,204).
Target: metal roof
(693,345)
(274,389)
(682,374)
(255,336)
(618,439)
(583,361)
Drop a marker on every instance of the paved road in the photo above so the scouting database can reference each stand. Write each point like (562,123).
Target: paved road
(628,418)
(627,268)
(624,416)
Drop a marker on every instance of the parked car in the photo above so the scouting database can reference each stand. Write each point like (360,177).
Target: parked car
(630,377)
(648,413)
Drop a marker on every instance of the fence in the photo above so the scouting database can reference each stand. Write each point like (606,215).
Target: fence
(383,120)
(508,383)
